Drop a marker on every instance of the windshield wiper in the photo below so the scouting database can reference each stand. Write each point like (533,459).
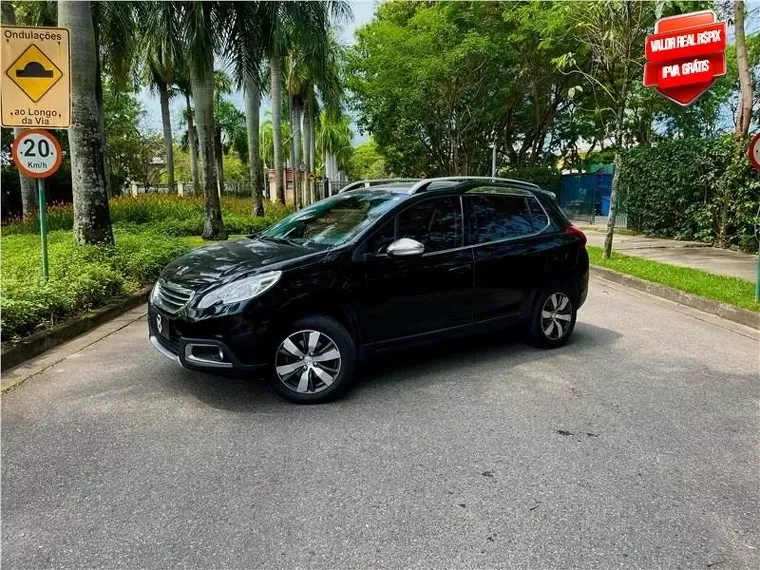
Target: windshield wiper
(281,240)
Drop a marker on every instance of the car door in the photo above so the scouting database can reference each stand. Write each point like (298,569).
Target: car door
(509,250)
(407,296)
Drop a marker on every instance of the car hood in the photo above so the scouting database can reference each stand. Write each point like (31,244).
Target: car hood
(218,261)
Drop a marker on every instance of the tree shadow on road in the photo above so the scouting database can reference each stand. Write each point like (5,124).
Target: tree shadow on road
(381,376)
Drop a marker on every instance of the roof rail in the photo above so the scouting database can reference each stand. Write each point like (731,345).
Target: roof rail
(423,184)
(373,182)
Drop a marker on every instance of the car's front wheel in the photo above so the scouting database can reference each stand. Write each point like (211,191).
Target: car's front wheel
(553,317)
(314,361)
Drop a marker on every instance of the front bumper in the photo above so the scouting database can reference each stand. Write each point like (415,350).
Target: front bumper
(203,354)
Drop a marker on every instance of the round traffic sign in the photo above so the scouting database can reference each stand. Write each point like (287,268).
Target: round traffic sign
(37,153)
(754,151)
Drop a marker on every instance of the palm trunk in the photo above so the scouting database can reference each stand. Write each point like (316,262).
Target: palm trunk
(192,141)
(26,184)
(99,99)
(296,110)
(252,109)
(92,218)
(219,158)
(312,150)
(203,95)
(166,120)
(275,68)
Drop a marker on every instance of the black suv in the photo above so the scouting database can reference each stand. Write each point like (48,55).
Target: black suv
(381,265)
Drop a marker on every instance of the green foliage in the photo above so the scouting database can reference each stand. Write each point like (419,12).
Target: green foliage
(81,277)
(367,162)
(731,290)
(165,213)
(149,231)
(130,152)
(438,83)
(546,177)
(676,188)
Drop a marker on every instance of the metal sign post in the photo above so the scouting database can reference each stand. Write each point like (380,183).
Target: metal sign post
(754,158)
(37,154)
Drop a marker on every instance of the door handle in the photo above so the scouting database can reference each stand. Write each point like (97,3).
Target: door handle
(460,269)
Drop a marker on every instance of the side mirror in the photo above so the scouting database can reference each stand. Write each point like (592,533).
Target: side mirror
(405,247)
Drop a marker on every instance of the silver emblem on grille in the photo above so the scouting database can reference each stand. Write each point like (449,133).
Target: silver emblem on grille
(159,324)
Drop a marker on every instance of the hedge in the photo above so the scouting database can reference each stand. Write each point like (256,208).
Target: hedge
(676,188)
(149,232)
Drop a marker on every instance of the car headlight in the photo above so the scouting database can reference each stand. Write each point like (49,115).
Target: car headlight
(240,290)
(154,293)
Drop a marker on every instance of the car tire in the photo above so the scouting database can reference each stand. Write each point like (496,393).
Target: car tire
(314,361)
(553,317)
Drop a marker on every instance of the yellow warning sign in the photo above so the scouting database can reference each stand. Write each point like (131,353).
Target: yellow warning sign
(36,61)
(34,73)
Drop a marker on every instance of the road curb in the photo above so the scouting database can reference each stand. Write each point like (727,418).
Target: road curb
(45,340)
(728,312)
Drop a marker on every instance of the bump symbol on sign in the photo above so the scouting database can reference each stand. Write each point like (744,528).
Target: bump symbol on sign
(34,73)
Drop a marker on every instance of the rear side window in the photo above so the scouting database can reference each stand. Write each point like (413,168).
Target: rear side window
(540,221)
(495,218)
(435,223)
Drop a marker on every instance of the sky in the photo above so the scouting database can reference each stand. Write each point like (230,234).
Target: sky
(363,12)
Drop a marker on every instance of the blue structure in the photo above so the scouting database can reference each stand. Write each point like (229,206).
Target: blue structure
(587,195)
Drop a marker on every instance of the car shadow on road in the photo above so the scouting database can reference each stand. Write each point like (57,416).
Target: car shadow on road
(418,366)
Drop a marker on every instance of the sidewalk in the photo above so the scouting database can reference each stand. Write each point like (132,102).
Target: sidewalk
(683,253)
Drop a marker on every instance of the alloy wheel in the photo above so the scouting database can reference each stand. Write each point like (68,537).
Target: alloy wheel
(308,361)
(556,315)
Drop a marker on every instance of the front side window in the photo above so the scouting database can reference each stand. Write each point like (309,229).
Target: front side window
(437,224)
(333,221)
(495,218)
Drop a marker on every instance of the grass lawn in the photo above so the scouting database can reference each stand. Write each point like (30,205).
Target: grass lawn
(729,290)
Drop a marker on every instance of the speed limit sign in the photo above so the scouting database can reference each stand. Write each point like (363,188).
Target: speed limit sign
(37,153)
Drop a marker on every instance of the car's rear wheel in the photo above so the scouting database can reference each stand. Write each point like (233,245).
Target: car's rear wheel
(553,317)
(315,361)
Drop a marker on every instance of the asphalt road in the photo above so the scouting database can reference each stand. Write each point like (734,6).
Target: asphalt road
(636,446)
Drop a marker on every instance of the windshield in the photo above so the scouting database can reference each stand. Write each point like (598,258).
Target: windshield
(333,221)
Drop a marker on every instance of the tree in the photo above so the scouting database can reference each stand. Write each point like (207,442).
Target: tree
(284,25)
(246,51)
(27,185)
(199,31)
(92,218)
(161,67)
(334,144)
(367,162)
(222,86)
(613,31)
(744,112)
(130,151)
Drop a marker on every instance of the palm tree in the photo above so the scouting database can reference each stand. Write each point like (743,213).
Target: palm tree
(199,27)
(161,68)
(246,52)
(26,184)
(334,143)
(92,218)
(222,86)
(285,24)
(183,84)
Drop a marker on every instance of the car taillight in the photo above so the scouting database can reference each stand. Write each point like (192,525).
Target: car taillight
(575,231)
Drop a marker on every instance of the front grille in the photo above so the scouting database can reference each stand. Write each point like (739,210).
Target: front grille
(170,345)
(170,297)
